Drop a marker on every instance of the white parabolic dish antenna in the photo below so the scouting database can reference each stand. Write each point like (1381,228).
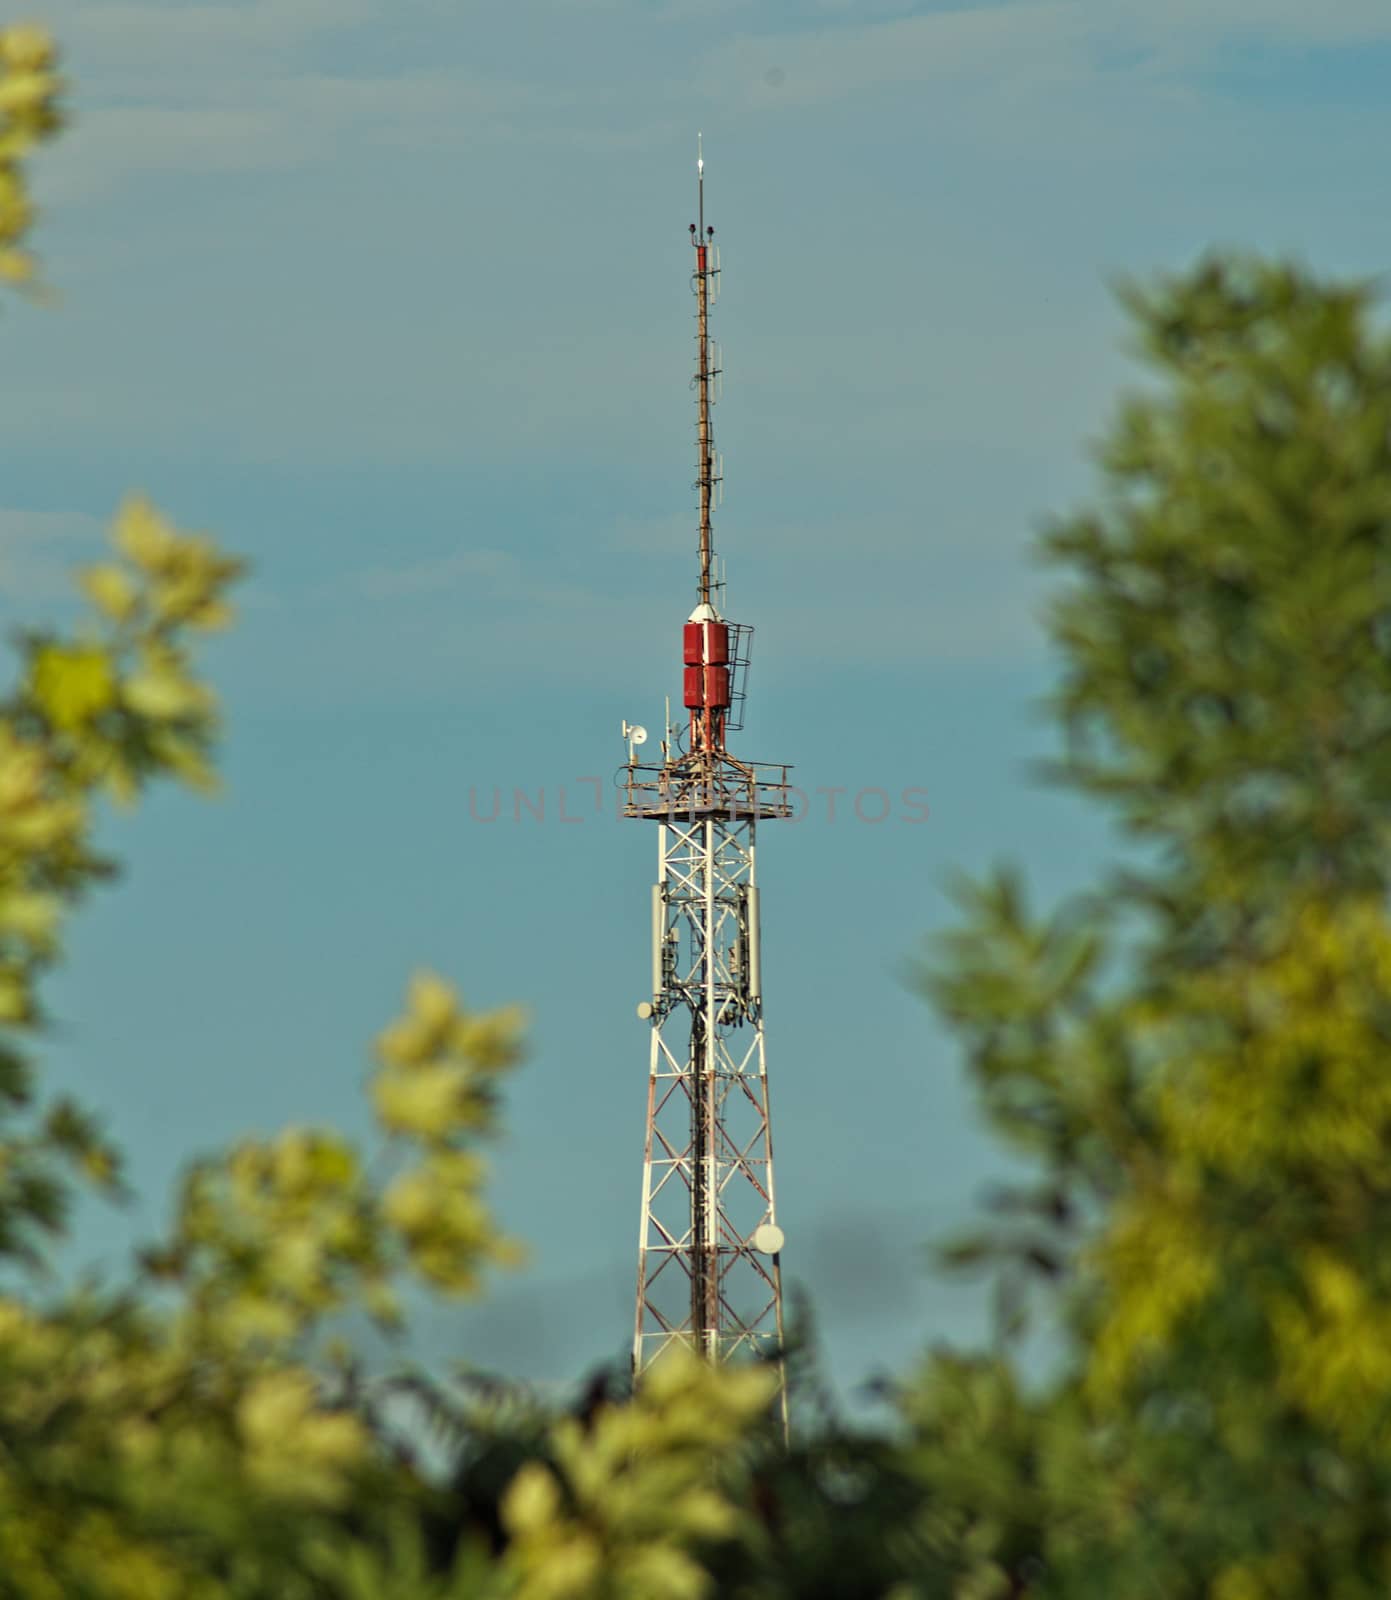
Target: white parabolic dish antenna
(768,1238)
(638,735)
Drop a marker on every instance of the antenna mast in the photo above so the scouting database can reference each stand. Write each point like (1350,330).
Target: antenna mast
(709,1254)
(705,269)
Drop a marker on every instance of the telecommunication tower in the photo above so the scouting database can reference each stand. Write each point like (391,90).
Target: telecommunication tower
(709,1267)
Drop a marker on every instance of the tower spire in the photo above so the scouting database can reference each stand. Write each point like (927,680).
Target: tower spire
(709,1252)
(702,237)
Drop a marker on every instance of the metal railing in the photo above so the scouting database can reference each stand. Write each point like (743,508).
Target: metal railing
(693,790)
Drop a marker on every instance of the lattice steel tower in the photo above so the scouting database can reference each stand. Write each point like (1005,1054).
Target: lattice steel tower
(709,1272)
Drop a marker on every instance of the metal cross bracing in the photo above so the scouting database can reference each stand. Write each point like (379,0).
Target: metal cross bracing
(705,1274)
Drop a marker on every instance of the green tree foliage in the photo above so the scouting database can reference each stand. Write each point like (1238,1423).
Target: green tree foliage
(1189,1062)
(1195,1056)
(29,113)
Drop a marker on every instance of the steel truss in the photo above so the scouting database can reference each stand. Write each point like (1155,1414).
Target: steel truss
(708,1170)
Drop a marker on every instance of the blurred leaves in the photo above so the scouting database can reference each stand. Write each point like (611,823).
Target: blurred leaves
(278,1235)
(84,721)
(632,1494)
(30,89)
(1192,1058)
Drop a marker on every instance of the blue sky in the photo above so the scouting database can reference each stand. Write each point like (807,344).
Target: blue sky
(394,298)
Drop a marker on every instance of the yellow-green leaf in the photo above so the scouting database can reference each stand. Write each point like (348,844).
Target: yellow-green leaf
(72,685)
(111,591)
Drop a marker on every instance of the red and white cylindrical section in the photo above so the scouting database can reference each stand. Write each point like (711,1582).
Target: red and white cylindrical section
(707,665)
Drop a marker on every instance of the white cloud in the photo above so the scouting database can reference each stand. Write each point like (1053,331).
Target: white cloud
(237,87)
(1032,44)
(247,58)
(662,536)
(1333,22)
(491,569)
(125,141)
(240,87)
(274,124)
(178,41)
(483,605)
(1034,39)
(38,550)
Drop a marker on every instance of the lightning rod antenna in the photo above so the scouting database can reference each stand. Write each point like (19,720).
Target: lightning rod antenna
(700,238)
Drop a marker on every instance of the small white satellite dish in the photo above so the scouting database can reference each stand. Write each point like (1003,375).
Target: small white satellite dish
(768,1239)
(638,735)
(645,1009)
